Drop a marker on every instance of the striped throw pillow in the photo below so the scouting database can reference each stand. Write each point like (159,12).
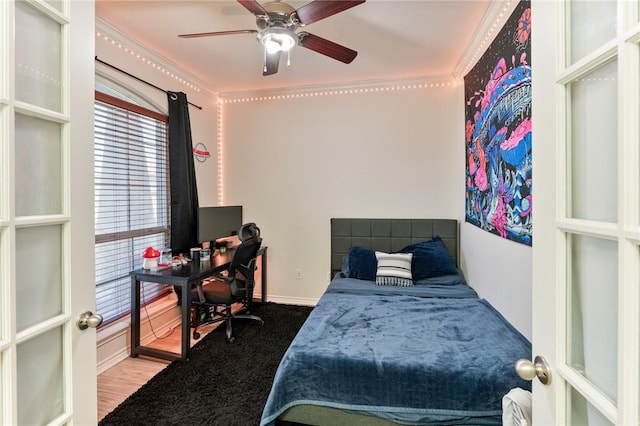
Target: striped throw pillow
(394,269)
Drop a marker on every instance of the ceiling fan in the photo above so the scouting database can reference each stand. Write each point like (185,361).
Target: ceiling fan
(278,22)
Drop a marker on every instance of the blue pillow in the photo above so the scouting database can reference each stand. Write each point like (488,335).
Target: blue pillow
(430,259)
(362,264)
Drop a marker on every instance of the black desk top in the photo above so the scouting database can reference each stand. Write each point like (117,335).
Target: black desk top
(191,271)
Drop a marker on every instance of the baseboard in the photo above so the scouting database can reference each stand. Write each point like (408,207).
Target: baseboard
(111,345)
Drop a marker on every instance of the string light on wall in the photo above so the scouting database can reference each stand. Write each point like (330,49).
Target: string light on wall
(220,156)
(308,94)
(147,61)
(338,92)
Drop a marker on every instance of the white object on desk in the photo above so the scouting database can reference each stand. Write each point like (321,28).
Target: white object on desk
(150,263)
(150,256)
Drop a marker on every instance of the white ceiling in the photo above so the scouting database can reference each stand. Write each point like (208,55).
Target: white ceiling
(394,40)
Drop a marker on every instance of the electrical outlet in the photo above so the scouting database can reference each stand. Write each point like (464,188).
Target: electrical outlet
(299,274)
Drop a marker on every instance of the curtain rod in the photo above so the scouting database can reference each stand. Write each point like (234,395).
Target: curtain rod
(139,79)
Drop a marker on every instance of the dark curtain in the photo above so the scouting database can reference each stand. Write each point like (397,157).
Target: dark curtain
(184,191)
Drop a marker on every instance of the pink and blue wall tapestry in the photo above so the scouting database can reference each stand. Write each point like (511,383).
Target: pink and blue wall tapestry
(498,133)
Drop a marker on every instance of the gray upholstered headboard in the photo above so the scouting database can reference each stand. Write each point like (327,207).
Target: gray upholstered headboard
(388,235)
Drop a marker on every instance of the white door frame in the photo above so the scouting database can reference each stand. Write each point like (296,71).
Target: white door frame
(552,224)
(77,23)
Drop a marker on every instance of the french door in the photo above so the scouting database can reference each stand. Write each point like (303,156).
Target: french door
(47,364)
(586,257)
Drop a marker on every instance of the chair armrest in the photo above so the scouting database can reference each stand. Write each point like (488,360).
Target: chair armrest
(247,270)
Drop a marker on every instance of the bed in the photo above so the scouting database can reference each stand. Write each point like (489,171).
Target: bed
(428,352)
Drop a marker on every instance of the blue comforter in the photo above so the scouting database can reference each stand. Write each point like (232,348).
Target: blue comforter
(404,358)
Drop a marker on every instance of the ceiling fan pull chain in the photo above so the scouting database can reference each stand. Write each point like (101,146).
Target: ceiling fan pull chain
(288,57)
(264,69)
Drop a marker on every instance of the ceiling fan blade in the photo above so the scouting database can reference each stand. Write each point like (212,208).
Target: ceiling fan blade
(253,6)
(217,33)
(326,47)
(271,62)
(320,9)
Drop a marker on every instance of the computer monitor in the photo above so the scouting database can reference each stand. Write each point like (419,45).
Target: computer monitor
(218,222)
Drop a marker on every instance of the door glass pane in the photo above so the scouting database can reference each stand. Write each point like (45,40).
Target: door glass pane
(39,379)
(592,24)
(594,149)
(38,274)
(581,412)
(38,58)
(38,166)
(56,4)
(593,310)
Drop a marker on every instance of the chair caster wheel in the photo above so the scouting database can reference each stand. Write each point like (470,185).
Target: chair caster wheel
(231,339)
(196,335)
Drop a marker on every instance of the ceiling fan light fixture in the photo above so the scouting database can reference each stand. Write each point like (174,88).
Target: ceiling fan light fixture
(278,39)
(277,23)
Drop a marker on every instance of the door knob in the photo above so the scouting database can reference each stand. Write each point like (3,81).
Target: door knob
(88,319)
(538,368)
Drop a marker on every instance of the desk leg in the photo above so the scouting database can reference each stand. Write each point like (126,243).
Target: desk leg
(264,277)
(186,322)
(135,316)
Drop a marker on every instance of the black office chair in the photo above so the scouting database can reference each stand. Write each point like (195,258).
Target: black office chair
(213,300)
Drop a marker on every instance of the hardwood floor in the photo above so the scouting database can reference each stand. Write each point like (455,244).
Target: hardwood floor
(123,379)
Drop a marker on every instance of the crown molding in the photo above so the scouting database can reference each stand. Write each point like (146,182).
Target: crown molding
(370,86)
(124,41)
(492,22)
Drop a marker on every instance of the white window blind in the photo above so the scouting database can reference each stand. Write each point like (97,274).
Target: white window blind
(131,199)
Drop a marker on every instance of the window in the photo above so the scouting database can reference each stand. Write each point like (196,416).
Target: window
(131,199)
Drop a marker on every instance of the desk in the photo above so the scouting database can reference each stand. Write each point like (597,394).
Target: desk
(185,277)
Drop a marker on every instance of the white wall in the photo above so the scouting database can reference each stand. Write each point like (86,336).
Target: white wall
(295,163)
(500,271)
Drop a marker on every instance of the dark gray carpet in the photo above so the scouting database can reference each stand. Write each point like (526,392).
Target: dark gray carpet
(223,383)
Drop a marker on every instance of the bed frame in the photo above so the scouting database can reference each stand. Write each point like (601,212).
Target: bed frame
(388,235)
